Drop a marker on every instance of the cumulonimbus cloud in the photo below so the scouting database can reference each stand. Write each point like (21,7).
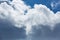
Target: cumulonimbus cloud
(39,15)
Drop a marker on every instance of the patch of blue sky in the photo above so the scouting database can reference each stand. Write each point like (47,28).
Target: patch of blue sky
(44,2)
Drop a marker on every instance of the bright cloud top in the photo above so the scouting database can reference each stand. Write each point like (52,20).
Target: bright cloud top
(39,15)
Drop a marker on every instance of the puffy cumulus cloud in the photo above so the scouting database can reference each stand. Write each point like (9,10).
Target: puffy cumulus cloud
(41,15)
(33,18)
(16,8)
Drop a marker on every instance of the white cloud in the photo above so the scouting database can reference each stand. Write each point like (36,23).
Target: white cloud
(39,15)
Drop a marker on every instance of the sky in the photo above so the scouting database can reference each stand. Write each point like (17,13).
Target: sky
(48,3)
(29,20)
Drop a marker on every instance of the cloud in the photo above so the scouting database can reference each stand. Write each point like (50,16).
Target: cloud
(55,5)
(10,32)
(39,15)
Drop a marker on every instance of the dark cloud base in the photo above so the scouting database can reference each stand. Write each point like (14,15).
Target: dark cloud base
(46,31)
(10,32)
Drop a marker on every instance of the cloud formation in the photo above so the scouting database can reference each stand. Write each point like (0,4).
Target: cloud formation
(39,15)
(55,5)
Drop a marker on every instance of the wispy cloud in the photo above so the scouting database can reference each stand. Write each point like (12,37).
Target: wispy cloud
(54,4)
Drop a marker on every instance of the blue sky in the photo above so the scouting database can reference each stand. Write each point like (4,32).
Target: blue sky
(44,2)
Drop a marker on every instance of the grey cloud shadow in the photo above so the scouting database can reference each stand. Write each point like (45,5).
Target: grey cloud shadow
(9,31)
(45,33)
